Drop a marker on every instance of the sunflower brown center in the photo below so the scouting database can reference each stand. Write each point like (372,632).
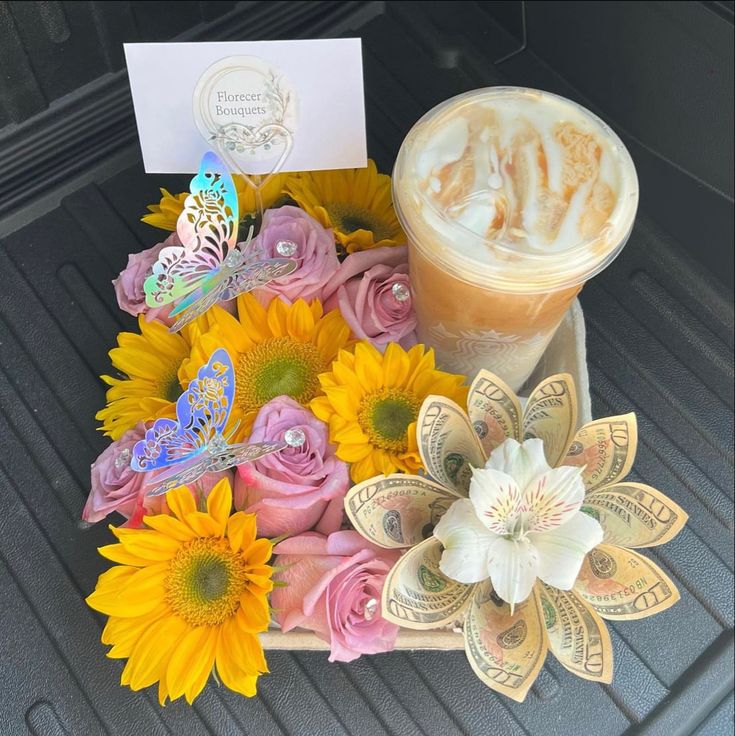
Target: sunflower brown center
(277,367)
(348,217)
(169,387)
(385,416)
(205,582)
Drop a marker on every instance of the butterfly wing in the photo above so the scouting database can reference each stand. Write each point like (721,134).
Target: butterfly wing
(207,228)
(231,456)
(254,275)
(227,284)
(201,413)
(205,405)
(164,444)
(234,455)
(210,215)
(181,478)
(198,302)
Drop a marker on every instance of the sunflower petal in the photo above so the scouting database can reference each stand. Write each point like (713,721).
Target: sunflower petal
(194,653)
(181,502)
(253,615)
(169,526)
(203,525)
(148,544)
(147,663)
(241,530)
(219,503)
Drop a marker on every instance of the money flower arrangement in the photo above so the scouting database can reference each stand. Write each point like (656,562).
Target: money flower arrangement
(275,383)
(522,531)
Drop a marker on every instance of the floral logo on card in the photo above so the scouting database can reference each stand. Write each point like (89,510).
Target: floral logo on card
(248,110)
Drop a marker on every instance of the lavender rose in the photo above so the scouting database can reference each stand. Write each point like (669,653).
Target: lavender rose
(373,292)
(300,487)
(333,588)
(129,284)
(117,487)
(314,250)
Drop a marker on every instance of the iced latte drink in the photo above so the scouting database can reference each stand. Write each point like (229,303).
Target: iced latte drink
(511,199)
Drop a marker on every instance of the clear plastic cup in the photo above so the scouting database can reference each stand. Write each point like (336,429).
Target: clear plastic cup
(511,198)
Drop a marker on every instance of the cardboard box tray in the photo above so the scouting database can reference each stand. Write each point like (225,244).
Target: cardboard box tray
(566,354)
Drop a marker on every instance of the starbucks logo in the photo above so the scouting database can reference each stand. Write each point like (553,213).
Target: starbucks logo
(392,525)
(602,564)
(430,581)
(514,636)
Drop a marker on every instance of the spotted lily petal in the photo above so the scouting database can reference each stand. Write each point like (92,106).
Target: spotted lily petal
(496,497)
(553,498)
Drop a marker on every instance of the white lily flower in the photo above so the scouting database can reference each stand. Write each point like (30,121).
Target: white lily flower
(521,522)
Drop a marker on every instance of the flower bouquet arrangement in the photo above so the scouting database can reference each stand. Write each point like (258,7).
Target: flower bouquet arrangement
(286,455)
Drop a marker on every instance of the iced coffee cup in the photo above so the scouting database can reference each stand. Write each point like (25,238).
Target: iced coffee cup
(511,199)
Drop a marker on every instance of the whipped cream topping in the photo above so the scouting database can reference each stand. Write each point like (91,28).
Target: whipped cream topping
(525,171)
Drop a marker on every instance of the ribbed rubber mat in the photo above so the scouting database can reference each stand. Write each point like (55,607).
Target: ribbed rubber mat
(659,343)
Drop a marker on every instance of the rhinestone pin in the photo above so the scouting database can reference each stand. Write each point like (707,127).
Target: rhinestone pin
(286,248)
(123,459)
(371,608)
(401,292)
(233,258)
(216,445)
(294,437)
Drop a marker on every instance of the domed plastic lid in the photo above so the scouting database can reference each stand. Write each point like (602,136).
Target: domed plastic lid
(516,188)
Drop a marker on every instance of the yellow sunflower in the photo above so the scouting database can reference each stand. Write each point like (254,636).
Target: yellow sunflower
(151,363)
(356,203)
(278,350)
(188,594)
(165,214)
(371,403)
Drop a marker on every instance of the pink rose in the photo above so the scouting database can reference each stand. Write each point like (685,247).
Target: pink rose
(117,487)
(333,588)
(129,284)
(373,292)
(315,252)
(298,488)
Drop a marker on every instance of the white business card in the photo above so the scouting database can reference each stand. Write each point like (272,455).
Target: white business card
(262,105)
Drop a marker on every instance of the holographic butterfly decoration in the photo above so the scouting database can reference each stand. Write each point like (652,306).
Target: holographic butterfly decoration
(209,267)
(193,444)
